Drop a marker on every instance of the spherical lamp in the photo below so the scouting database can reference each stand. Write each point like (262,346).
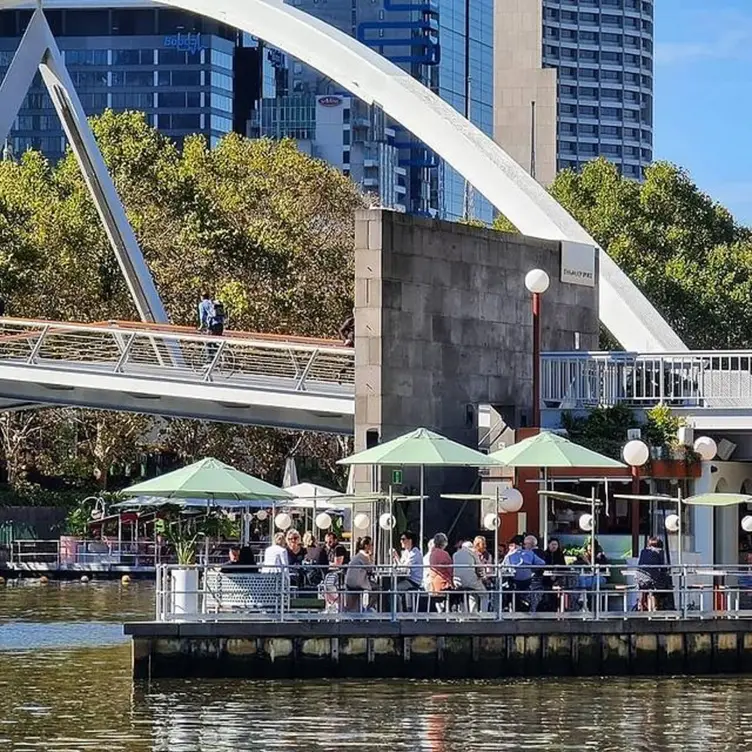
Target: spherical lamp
(261,515)
(537,281)
(706,448)
(387,521)
(586,522)
(323,521)
(511,501)
(747,524)
(491,521)
(635,453)
(672,523)
(361,521)
(283,520)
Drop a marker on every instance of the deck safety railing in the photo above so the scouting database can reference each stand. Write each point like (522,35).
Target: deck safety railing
(704,379)
(124,348)
(279,594)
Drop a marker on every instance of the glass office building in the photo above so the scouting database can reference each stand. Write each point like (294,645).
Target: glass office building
(603,52)
(176,67)
(448,46)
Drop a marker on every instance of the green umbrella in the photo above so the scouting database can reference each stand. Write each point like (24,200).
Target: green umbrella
(421,448)
(719,499)
(547,449)
(210,479)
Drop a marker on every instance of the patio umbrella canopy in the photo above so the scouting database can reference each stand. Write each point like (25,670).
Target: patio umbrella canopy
(311,496)
(548,449)
(718,499)
(421,448)
(208,479)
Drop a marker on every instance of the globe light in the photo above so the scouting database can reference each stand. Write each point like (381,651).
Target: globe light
(387,521)
(261,515)
(323,521)
(706,448)
(491,521)
(361,521)
(283,520)
(672,523)
(512,501)
(747,524)
(635,453)
(586,522)
(537,281)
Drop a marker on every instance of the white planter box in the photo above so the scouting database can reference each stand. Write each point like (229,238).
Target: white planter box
(184,590)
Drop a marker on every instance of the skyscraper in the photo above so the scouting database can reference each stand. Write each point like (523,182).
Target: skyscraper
(448,46)
(578,74)
(187,73)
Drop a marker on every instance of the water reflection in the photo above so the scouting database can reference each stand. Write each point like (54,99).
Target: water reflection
(83,699)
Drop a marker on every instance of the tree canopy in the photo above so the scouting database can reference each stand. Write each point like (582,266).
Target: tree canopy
(684,251)
(264,227)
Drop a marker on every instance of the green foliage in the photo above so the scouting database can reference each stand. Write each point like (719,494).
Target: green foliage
(662,426)
(682,249)
(603,429)
(258,223)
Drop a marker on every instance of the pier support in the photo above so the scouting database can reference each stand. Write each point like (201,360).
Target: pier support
(431,649)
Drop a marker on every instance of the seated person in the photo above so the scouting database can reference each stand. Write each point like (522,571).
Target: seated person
(334,581)
(409,568)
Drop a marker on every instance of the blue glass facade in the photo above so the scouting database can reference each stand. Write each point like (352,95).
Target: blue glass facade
(448,46)
(466,76)
(176,67)
(603,52)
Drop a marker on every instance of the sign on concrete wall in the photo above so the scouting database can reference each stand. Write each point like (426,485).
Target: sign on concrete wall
(577,263)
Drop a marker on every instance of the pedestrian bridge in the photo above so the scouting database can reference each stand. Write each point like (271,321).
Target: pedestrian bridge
(287,382)
(307,383)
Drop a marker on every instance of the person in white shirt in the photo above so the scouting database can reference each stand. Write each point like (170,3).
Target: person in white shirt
(409,569)
(468,573)
(275,556)
(427,565)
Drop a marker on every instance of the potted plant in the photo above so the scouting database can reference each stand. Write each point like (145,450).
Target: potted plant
(182,535)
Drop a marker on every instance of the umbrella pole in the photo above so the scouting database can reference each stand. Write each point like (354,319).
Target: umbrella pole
(496,534)
(544,499)
(422,494)
(592,531)
(680,529)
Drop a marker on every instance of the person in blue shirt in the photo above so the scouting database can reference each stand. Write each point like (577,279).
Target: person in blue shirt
(521,560)
(211,320)
(205,312)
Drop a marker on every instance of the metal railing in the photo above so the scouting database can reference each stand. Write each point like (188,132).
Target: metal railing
(47,554)
(600,592)
(704,379)
(125,348)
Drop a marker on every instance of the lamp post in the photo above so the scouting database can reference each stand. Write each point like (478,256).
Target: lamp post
(636,454)
(537,282)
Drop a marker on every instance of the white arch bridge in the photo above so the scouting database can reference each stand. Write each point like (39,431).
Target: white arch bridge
(301,383)
(369,76)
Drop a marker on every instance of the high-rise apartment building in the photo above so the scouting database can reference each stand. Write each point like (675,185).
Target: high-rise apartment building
(574,81)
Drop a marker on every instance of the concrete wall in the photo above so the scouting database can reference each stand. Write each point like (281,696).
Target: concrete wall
(431,650)
(519,80)
(444,323)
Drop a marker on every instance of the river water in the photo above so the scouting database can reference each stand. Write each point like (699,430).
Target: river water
(65,685)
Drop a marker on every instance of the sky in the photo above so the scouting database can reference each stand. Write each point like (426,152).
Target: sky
(703,95)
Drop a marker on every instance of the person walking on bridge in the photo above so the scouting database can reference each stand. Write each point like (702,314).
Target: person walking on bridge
(211,320)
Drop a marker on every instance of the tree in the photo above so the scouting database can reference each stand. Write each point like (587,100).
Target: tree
(263,226)
(682,249)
